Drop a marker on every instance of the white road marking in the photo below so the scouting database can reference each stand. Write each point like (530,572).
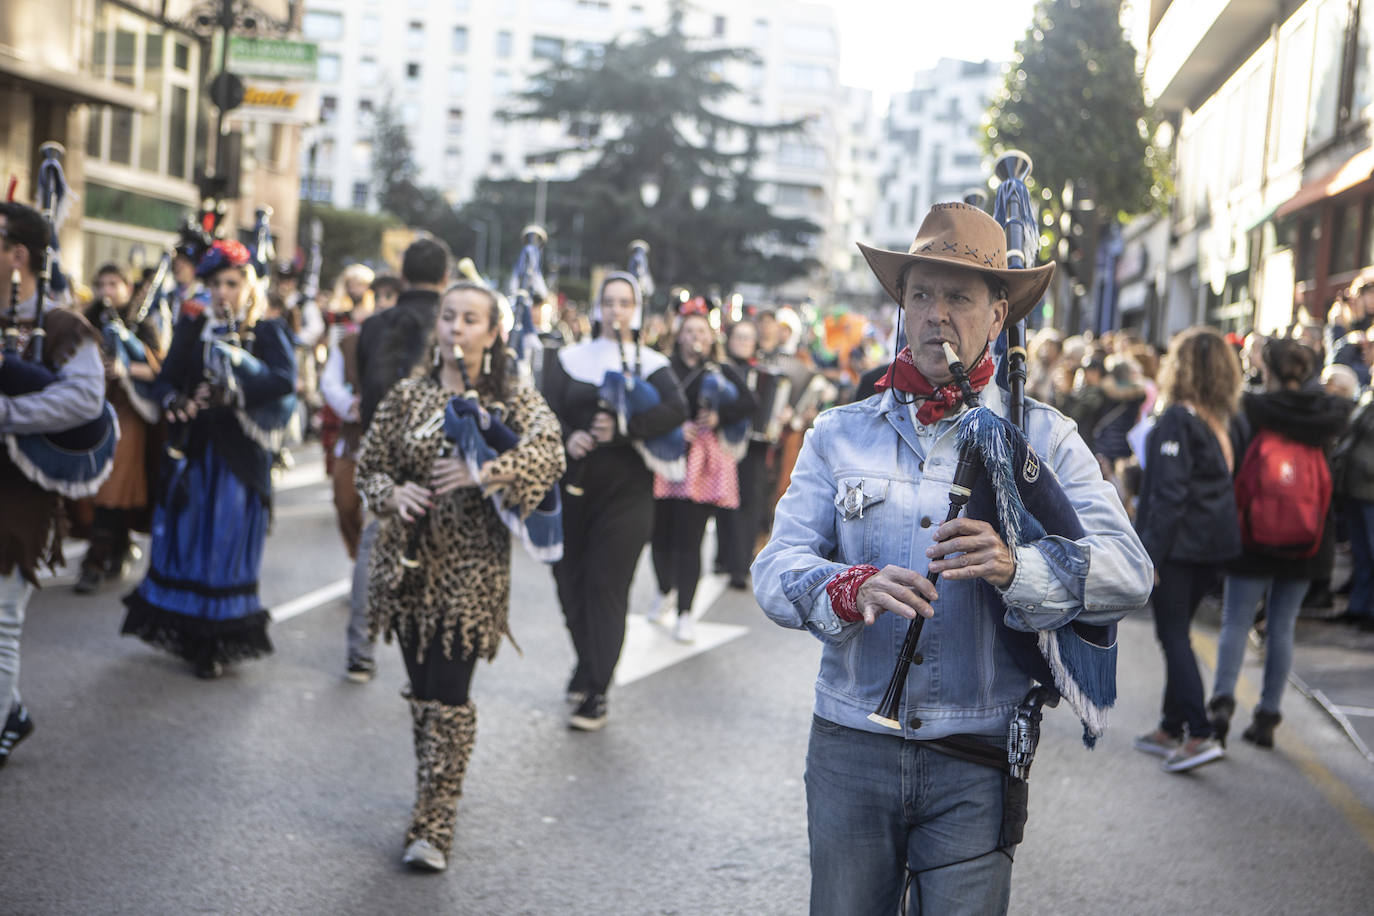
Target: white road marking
(311,600)
(305,474)
(650,648)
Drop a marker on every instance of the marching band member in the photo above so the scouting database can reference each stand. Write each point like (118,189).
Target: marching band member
(451,609)
(132,357)
(228,397)
(607,522)
(738,529)
(682,508)
(854,539)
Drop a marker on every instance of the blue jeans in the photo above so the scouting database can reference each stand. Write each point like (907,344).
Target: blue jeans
(1242,597)
(879,806)
(1181,588)
(1359,519)
(14,596)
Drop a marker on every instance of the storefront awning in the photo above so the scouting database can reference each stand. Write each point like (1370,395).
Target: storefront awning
(79,89)
(1358,168)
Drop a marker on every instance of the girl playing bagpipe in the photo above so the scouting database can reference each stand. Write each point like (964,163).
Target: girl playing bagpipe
(227,386)
(720,405)
(440,571)
(609,500)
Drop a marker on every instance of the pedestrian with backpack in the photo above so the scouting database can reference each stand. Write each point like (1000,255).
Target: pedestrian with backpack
(1283,500)
(1187,521)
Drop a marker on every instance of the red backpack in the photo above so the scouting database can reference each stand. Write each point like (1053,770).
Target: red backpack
(1283,492)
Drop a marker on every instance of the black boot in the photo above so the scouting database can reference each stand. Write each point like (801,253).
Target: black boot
(1261,730)
(1219,711)
(17,728)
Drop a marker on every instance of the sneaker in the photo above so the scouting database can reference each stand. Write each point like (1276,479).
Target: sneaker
(88,582)
(739,583)
(664,609)
(360,671)
(422,856)
(17,728)
(1193,753)
(590,715)
(1158,742)
(685,629)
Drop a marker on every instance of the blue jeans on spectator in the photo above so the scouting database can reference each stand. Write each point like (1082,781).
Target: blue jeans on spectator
(1241,601)
(1359,520)
(879,806)
(14,596)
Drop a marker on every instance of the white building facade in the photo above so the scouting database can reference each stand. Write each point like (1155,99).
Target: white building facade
(451,67)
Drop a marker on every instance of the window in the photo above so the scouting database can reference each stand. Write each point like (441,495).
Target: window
(545,48)
(757,71)
(372,29)
(795,196)
(329,69)
(807,77)
(413,71)
(415,36)
(809,39)
(121,135)
(329,109)
(410,113)
(718,27)
(801,154)
(453,161)
(503,45)
(1324,104)
(362,155)
(500,83)
(178,127)
(369,74)
(359,195)
(181,57)
(457,80)
(1345,241)
(498,158)
(587,52)
(365,114)
(462,6)
(454,123)
(460,40)
(760,33)
(636,16)
(318,25)
(125,54)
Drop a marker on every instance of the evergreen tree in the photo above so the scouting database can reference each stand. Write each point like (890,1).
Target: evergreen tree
(646,110)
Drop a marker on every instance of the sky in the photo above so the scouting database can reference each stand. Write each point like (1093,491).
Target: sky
(883,42)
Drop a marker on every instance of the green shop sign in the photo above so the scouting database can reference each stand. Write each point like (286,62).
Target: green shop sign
(273,58)
(107,203)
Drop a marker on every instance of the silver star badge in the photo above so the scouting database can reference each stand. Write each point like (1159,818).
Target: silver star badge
(854,501)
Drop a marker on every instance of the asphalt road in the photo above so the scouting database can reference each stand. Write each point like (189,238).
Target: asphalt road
(284,789)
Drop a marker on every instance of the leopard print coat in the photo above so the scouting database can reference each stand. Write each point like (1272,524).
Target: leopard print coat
(460,594)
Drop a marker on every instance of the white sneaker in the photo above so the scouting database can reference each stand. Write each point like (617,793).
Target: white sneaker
(684,630)
(422,856)
(663,609)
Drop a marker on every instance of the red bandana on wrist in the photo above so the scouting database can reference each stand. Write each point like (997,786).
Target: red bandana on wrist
(906,377)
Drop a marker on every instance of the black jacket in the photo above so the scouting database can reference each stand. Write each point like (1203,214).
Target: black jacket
(391,343)
(1312,417)
(1187,509)
(1353,461)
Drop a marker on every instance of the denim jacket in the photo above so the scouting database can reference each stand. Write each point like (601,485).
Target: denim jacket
(968,683)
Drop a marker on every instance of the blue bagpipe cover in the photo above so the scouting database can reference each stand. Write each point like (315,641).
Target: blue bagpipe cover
(73,462)
(265,423)
(1021,497)
(717,391)
(127,349)
(478,436)
(629,396)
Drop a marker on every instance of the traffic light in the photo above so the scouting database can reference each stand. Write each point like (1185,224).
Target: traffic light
(1078,236)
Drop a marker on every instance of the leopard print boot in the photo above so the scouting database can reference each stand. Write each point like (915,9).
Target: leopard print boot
(442,759)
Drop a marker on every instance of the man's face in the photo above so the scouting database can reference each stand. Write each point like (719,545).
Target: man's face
(769,338)
(948,305)
(12,257)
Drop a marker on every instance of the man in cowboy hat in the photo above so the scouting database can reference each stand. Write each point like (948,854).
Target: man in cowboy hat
(853,541)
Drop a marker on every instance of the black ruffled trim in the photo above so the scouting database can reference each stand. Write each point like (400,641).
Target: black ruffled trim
(194,639)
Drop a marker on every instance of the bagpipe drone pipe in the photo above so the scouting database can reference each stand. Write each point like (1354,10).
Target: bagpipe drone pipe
(123,347)
(717,391)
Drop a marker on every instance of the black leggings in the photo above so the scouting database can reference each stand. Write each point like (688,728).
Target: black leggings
(446,680)
(1181,588)
(679,526)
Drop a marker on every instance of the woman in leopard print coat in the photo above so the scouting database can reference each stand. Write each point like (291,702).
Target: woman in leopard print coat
(452,608)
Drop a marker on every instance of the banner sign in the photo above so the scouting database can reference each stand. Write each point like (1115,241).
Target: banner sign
(273,58)
(278,103)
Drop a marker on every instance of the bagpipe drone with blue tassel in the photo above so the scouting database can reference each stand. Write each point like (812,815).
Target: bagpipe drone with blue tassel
(73,462)
(527,289)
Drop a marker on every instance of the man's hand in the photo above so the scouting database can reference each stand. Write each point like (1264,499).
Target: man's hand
(983,553)
(580,444)
(897,591)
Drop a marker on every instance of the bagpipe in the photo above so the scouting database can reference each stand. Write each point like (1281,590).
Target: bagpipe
(1000,479)
(76,461)
(527,288)
(717,391)
(475,435)
(122,346)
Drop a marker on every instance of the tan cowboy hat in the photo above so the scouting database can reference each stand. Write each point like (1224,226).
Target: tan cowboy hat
(960,235)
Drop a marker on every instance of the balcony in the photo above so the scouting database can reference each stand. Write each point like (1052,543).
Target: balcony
(1197,44)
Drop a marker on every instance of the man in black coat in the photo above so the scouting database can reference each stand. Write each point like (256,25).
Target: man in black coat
(390,345)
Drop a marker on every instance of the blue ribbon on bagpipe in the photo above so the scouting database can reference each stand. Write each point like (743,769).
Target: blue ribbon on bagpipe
(628,396)
(717,391)
(73,462)
(126,349)
(1022,498)
(526,285)
(478,436)
(52,186)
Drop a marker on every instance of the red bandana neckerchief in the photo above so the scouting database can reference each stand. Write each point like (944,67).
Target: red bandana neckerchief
(906,377)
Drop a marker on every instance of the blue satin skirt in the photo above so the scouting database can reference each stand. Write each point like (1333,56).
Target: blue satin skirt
(200,597)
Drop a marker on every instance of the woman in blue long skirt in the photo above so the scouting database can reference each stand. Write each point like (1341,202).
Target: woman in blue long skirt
(228,385)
